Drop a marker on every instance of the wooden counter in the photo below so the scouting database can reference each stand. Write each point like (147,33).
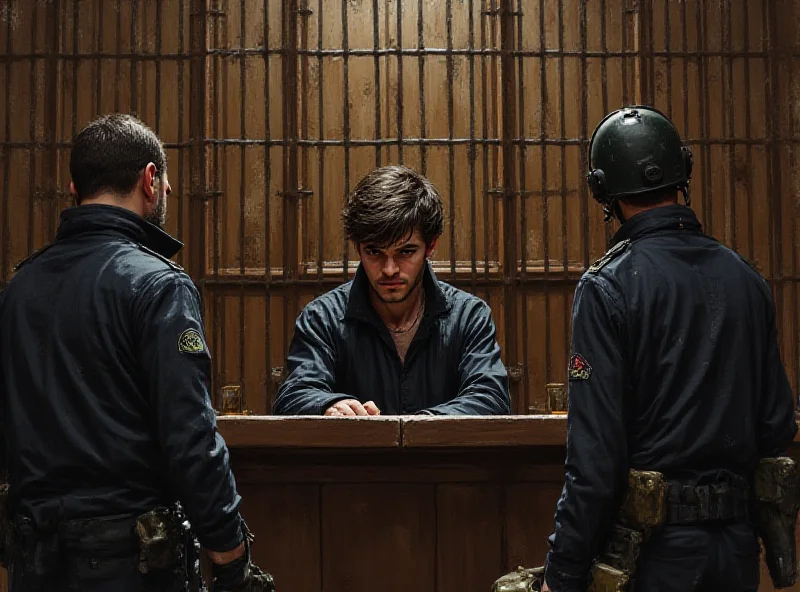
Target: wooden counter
(400,504)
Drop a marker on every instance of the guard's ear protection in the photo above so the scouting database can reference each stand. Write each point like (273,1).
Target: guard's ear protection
(688,161)
(597,184)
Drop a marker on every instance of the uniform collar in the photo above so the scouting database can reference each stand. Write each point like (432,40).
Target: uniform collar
(664,218)
(360,307)
(100,218)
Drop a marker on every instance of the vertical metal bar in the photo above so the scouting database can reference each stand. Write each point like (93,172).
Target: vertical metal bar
(624,21)
(377,66)
(563,125)
(118,60)
(6,250)
(451,133)
(346,101)
(74,68)
(668,49)
(399,81)
(651,58)
(704,130)
(685,48)
(545,212)
(51,115)
(198,33)
(98,63)
(473,235)
(423,151)
(242,190)
(770,118)
(32,192)
(584,133)
(134,53)
(485,121)
(159,47)
(525,395)
(290,158)
(776,185)
(181,131)
(267,209)
(727,34)
(320,149)
(303,151)
(509,188)
(748,135)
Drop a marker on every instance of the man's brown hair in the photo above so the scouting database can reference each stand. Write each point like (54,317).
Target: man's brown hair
(389,204)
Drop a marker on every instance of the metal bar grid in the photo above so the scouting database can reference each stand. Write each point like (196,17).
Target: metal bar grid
(520,62)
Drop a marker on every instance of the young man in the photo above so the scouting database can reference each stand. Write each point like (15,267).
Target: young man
(395,340)
(104,376)
(675,369)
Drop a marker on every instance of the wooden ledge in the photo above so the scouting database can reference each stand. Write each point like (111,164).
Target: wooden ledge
(260,431)
(267,431)
(484,432)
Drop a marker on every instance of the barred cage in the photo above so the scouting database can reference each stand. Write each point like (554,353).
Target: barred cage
(271,111)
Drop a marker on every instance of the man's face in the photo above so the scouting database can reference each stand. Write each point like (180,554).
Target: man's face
(395,271)
(158,215)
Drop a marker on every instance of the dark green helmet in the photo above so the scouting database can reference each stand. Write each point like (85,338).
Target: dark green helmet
(633,151)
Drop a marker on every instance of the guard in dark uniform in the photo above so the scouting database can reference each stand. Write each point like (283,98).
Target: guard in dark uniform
(113,456)
(674,370)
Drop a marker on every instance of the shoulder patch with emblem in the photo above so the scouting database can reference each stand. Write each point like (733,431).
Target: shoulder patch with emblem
(158,255)
(191,342)
(609,256)
(31,257)
(579,368)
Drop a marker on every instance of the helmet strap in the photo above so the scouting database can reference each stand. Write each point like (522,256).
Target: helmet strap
(686,197)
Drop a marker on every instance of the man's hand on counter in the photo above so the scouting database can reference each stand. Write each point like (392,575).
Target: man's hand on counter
(351,407)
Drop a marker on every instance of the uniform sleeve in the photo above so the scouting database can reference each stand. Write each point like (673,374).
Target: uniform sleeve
(484,379)
(596,456)
(311,365)
(177,364)
(776,418)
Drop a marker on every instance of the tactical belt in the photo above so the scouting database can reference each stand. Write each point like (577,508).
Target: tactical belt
(725,501)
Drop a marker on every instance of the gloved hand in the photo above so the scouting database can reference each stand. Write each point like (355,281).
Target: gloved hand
(241,575)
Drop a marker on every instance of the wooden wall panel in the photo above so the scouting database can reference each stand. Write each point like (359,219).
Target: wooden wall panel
(396,531)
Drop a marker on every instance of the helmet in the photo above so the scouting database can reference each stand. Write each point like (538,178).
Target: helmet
(633,151)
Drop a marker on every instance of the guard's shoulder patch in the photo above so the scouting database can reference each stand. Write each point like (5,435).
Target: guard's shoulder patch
(609,256)
(158,255)
(31,257)
(579,368)
(191,342)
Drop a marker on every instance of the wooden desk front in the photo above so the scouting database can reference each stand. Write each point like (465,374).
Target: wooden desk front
(399,504)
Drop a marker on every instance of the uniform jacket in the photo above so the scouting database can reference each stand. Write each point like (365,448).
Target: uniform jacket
(675,368)
(342,350)
(104,378)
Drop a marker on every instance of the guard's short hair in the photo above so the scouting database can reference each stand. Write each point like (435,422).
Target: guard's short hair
(389,204)
(110,153)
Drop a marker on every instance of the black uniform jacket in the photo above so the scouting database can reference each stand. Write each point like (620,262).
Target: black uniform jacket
(674,368)
(342,350)
(104,377)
